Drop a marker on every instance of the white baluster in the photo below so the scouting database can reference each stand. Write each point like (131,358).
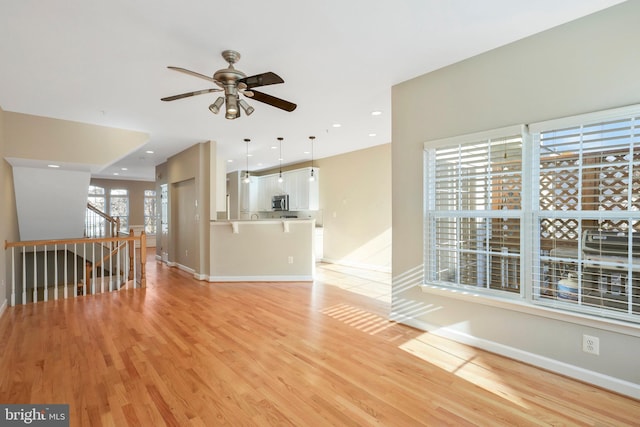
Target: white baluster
(110,268)
(84,269)
(35,275)
(66,281)
(93,269)
(135,276)
(102,268)
(75,270)
(55,272)
(119,282)
(13,276)
(45,295)
(24,274)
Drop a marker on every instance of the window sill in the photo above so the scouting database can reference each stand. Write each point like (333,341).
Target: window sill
(515,303)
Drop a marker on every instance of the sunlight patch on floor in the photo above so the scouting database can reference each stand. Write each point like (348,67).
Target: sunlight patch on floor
(466,363)
(357,318)
(369,283)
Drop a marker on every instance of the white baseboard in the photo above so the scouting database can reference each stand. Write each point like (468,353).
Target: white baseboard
(611,383)
(260,278)
(3,307)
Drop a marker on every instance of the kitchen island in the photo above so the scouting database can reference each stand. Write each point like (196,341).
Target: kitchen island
(262,250)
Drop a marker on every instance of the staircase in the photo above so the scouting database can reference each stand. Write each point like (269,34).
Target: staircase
(106,260)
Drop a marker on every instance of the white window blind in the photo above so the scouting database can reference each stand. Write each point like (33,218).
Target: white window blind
(474,212)
(550,214)
(588,214)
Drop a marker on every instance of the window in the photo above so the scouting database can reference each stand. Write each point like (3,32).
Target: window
(150,212)
(474,211)
(588,217)
(94,225)
(119,206)
(550,216)
(97,197)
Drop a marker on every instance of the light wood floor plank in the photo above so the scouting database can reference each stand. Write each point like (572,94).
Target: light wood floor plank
(188,353)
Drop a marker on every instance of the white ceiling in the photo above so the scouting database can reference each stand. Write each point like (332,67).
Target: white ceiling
(104,62)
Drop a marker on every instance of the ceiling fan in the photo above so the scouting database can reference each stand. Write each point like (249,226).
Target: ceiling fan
(235,83)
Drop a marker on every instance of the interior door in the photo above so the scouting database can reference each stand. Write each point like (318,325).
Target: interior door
(183,216)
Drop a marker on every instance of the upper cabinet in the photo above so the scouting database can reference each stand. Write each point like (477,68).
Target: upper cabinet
(268,186)
(303,193)
(249,194)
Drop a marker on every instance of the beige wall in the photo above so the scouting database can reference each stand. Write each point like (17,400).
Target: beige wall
(587,65)
(355,203)
(190,164)
(262,251)
(355,197)
(47,139)
(8,215)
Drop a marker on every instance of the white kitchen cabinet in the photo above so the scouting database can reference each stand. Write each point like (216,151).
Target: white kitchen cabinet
(248,195)
(303,194)
(267,188)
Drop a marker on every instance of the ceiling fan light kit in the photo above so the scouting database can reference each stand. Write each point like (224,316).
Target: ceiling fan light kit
(234,83)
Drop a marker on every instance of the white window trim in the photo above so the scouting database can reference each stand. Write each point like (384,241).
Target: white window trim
(525,220)
(524,302)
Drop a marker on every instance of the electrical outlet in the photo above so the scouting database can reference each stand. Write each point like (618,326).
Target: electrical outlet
(591,344)
(290,260)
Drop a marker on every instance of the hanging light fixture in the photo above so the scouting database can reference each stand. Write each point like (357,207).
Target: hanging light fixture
(215,107)
(246,173)
(248,109)
(312,177)
(280,175)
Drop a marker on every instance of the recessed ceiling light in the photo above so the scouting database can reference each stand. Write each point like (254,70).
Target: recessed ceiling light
(336,125)
(372,134)
(124,169)
(149,151)
(116,173)
(230,161)
(306,152)
(273,147)
(53,166)
(249,155)
(376,113)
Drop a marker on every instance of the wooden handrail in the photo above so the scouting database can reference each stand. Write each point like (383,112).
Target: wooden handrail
(69,241)
(109,255)
(113,221)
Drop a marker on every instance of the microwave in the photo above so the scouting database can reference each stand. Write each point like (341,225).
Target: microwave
(280,203)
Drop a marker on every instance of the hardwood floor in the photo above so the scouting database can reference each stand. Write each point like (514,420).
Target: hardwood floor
(183,352)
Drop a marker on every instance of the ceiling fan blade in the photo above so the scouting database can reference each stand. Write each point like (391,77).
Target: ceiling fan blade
(263,79)
(188,94)
(192,73)
(273,101)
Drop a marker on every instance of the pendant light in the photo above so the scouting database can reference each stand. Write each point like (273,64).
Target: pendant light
(280,175)
(312,177)
(246,174)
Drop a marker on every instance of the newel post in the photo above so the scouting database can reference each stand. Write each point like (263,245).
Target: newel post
(143,258)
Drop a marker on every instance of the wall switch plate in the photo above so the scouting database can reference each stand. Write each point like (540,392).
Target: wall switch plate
(290,260)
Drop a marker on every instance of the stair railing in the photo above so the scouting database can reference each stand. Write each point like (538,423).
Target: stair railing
(52,269)
(100,224)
